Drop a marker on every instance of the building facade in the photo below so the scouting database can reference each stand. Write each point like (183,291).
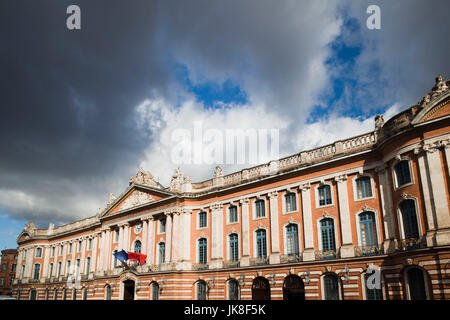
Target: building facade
(8,270)
(362,218)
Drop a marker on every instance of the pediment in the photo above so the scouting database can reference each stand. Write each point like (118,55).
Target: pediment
(133,197)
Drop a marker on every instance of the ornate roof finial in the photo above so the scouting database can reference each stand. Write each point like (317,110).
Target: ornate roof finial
(144,177)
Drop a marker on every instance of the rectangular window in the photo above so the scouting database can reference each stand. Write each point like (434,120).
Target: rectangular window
(233,216)
(162,225)
(162,252)
(38,252)
(23,271)
(290,202)
(79,245)
(260,208)
(363,188)
(234,247)
(88,265)
(37,269)
(61,249)
(89,244)
(68,267)
(4,267)
(70,247)
(50,273)
(202,219)
(59,269)
(53,251)
(402,173)
(324,195)
(261,244)
(116,235)
(13,268)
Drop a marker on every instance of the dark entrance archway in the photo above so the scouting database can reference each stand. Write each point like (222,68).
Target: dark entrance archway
(128,290)
(260,289)
(293,288)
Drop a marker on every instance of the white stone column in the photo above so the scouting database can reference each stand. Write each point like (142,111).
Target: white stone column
(439,195)
(120,244)
(176,235)
(93,254)
(216,236)
(64,260)
(186,239)
(245,233)
(144,222)
(102,250)
(83,255)
(308,253)
(126,236)
(46,252)
(425,185)
(274,257)
(151,241)
(347,248)
(385,190)
(168,257)
(446,145)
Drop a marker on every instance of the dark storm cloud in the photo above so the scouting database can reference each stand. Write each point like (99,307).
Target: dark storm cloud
(68,131)
(67,97)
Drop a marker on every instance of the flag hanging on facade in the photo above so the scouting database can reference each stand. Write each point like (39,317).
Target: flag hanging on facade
(122,256)
(133,256)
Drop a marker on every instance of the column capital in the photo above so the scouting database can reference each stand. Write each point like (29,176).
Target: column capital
(216,206)
(381,169)
(340,178)
(273,194)
(305,186)
(244,200)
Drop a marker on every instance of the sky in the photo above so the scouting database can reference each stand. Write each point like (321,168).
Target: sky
(82,110)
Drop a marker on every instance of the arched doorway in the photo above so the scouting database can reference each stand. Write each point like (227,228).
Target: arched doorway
(128,290)
(260,289)
(416,284)
(293,288)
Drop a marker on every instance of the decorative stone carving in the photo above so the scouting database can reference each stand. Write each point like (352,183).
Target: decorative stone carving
(305,186)
(341,178)
(439,88)
(175,182)
(218,172)
(135,199)
(273,194)
(145,178)
(112,198)
(379,122)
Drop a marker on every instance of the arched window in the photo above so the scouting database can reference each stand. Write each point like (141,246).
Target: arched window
(402,173)
(108,292)
(293,288)
(202,251)
(292,239)
(261,246)
(260,208)
(290,202)
(363,188)
(409,218)
(137,246)
(233,290)
(324,195)
(234,247)
(331,287)
(373,289)
(201,290)
(260,289)
(162,252)
(368,229)
(33,294)
(416,284)
(155,291)
(327,232)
